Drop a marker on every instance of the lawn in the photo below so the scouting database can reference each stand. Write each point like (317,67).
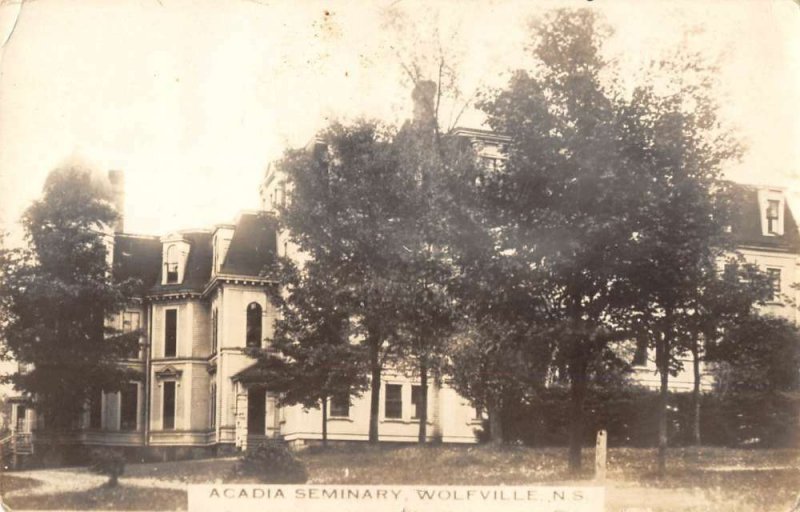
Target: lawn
(105,498)
(11,483)
(708,479)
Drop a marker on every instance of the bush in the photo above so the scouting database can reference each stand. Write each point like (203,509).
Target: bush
(271,462)
(109,462)
(630,416)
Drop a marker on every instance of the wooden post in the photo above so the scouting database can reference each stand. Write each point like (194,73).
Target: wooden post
(600,453)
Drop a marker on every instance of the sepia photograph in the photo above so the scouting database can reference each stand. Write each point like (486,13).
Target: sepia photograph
(400,255)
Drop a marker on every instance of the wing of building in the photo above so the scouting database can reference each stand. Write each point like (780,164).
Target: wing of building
(764,231)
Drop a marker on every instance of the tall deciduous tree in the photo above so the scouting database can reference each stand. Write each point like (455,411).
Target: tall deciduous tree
(563,207)
(59,295)
(427,312)
(615,194)
(676,141)
(345,214)
(311,358)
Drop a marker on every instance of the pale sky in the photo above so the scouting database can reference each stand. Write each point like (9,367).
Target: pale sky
(192,99)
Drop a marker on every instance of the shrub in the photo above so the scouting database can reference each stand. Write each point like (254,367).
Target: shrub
(109,462)
(763,419)
(271,462)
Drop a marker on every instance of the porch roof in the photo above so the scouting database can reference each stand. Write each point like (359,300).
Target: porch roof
(262,372)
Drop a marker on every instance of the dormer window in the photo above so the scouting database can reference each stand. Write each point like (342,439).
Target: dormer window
(773,208)
(771,205)
(171,264)
(174,254)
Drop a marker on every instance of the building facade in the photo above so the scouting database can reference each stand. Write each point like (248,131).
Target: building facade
(204,300)
(202,303)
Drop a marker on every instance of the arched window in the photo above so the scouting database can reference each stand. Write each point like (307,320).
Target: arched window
(171,265)
(253,325)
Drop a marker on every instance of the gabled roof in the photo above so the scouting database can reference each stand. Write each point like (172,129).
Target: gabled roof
(137,257)
(253,246)
(746,222)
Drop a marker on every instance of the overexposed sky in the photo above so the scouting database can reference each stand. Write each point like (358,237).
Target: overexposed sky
(192,99)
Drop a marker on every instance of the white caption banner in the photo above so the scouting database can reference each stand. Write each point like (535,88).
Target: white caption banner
(405,498)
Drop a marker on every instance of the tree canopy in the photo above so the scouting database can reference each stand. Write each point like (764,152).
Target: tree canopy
(60,294)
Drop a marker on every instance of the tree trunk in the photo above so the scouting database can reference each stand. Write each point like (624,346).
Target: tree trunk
(578,386)
(662,359)
(495,424)
(375,388)
(423,384)
(325,422)
(696,392)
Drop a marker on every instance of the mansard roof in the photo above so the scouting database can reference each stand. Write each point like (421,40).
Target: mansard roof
(137,257)
(253,245)
(746,222)
(252,248)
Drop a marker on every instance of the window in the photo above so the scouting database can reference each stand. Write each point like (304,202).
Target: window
(214,331)
(96,411)
(775,278)
(280,196)
(493,164)
(478,413)
(130,323)
(213,405)
(171,265)
(170,332)
(129,401)
(416,401)
(21,423)
(773,207)
(168,406)
(254,325)
(340,405)
(640,356)
(394,401)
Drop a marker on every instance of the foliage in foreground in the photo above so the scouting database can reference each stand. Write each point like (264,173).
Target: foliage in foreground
(109,462)
(57,295)
(630,416)
(271,462)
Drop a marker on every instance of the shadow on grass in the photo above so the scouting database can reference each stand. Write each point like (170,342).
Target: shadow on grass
(11,483)
(121,497)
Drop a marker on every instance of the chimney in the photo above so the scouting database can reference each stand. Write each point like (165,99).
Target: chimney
(117,180)
(423,96)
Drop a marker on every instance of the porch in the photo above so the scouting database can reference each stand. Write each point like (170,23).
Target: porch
(257,413)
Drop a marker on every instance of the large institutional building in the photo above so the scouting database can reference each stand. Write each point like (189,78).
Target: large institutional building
(204,300)
(202,303)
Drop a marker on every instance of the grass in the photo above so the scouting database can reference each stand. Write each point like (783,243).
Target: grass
(105,498)
(11,483)
(436,465)
(201,471)
(706,479)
